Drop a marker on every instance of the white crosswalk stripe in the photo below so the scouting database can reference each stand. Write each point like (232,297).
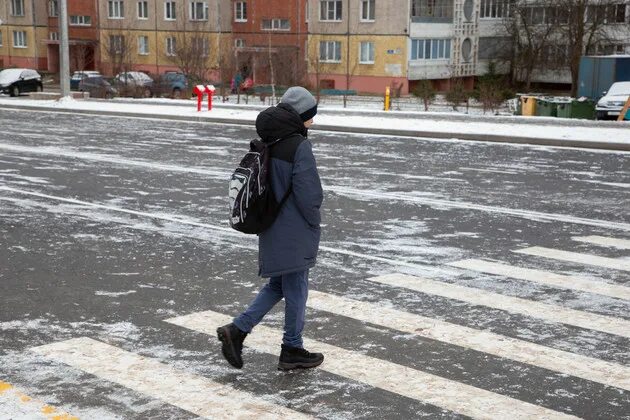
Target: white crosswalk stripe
(510,304)
(190,392)
(545,277)
(451,395)
(522,351)
(604,241)
(575,257)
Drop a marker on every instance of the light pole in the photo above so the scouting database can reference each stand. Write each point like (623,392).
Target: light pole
(64,50)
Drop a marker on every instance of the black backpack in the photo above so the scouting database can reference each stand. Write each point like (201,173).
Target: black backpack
(253,205)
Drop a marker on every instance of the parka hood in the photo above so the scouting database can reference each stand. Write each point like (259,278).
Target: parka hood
(279,122)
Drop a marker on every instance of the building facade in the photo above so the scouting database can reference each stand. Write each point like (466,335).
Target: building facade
(23,25)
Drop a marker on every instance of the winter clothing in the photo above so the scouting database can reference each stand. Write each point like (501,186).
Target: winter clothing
(232,339)
(291,243)
(302,101)
(298,358)
(294,288)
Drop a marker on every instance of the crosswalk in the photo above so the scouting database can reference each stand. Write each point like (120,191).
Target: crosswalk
(207,398)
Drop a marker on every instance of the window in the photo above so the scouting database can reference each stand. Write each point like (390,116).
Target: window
(240,11)
(330,10)
(239,43)
(494,9)
(430,49)
(200,47)
(366,53)
(198,10)
(53,36)
(143,10)
(491,48)
(19,39)
(367,10)
(616,13)
(441,9)
(171,46)
(169,10)
(330,51)
(276,24)
(0,38)
(53,8)
(116,9)
(17,8)
(81,20)
(143,45)
(116,44)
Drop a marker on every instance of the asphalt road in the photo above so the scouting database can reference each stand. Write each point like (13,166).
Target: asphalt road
(111,227)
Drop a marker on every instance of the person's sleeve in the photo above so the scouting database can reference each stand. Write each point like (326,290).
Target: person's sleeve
(307,187)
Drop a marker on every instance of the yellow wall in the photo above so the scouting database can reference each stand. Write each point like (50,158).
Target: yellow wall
(7,41)
(397,45)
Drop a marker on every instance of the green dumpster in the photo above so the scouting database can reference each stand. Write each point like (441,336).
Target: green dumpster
(577,108)
(546,107)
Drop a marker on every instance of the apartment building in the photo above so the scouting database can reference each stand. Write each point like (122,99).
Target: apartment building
(23,23)
(270,39)
(358,44)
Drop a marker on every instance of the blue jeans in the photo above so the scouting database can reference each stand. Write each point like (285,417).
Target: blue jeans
(293,287)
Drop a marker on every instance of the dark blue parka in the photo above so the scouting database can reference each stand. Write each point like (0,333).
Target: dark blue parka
(291,243)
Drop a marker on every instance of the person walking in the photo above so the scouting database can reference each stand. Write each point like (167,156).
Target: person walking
(288,249)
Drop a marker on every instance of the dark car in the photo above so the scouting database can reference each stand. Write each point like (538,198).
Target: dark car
(77,76)
(171,83)
(16,81)
(97,87)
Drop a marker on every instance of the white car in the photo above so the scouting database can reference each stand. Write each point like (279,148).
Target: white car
(134,83)
(611,104)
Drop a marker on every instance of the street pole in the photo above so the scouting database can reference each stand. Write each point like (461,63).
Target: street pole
(64,50)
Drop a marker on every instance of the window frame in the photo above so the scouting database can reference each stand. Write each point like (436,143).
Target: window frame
(170,46)
(140,8)
(192,10)
(273,26)
(81,20)
(239,43)
(53,8)
(336,52)
(337,9)
(23,38)
(371,9)
(117,41)
(240,9)
(443,49)
(170,7)
(371,50)
(143,41)
(494,9)
(14,4)
(114,12)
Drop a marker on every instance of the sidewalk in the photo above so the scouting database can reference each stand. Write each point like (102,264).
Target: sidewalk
(509,129)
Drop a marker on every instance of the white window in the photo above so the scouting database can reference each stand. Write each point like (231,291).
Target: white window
(239,43)
(143,10)
(198,10)
(367,10)
(432,9)
(0,38)
(240,11)
(53,36)
(494,9)
(116,43)
(19,39)
(17,7)
(330,51)
(276,24)
(171,46)
(430,49)
(53,8)
(169,10)
(366,53)
(330,10)
(143,45)
(200,47)
(116,9)
(81,20)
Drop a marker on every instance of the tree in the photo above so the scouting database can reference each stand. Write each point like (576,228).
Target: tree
(457,94)
(425,91)
(119,48)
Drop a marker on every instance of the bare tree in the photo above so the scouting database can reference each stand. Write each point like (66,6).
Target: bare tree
(120,48)
(83,55)
(425,91)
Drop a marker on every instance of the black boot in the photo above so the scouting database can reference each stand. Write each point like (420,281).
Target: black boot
(298,358)
(232,339)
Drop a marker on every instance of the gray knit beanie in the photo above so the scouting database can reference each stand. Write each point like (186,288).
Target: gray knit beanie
(302,101)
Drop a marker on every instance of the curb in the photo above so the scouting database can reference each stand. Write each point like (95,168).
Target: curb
(536,141)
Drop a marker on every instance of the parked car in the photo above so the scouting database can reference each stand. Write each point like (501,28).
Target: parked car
(77,76)
(97,87)
(16,81)
(611,104)
(134,83)
(171,83)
